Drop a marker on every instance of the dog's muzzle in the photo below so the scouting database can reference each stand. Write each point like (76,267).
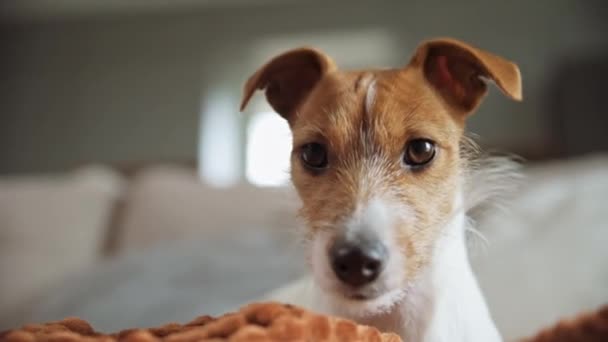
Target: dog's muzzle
(358,260)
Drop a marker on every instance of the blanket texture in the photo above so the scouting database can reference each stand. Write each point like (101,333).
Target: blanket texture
(261,322)
(266,322)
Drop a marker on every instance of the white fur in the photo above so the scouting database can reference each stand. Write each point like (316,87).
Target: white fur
(461,313)
(370,97)
(443,304)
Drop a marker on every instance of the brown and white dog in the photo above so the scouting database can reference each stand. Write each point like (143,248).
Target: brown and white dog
(380,162)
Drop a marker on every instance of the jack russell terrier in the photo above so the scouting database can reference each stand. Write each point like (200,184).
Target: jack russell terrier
(383,168)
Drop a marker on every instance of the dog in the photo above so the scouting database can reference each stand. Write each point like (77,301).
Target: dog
(380,161)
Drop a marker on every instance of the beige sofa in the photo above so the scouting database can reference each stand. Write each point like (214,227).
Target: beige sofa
(53,226)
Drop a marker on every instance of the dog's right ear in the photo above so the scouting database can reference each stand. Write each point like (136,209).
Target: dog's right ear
(288,79)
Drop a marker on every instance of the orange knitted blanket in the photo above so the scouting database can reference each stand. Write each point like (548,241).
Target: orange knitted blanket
(266,322)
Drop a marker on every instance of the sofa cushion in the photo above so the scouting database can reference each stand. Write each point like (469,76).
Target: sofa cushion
(168,203)
(51,226)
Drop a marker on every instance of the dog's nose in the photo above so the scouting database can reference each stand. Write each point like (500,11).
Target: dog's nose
(357,262)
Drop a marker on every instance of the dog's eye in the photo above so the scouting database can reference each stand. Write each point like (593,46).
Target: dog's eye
(314,156)
(419,152)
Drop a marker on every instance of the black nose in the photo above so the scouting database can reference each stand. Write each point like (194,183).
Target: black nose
(357,262)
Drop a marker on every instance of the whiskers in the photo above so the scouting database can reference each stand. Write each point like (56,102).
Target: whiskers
(491,178)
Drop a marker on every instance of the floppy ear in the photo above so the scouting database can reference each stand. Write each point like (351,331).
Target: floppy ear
(288,79)
(458,72)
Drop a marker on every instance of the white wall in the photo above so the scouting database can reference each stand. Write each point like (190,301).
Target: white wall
(129,87)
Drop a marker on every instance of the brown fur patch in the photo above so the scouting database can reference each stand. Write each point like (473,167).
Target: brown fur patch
(367,148)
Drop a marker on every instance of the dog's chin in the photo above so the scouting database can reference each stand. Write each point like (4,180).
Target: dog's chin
(355,304)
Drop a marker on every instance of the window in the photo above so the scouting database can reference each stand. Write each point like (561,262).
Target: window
(268,150)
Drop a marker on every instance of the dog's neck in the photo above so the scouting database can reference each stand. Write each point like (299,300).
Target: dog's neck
(445,303)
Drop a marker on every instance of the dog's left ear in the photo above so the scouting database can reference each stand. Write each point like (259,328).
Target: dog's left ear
(457,71)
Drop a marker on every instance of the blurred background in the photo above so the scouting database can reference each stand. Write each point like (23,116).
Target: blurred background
(133,192)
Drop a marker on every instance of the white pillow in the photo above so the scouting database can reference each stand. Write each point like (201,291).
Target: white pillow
(49,227)
(167,203)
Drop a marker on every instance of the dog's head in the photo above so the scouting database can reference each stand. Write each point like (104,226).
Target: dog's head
(377,157)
